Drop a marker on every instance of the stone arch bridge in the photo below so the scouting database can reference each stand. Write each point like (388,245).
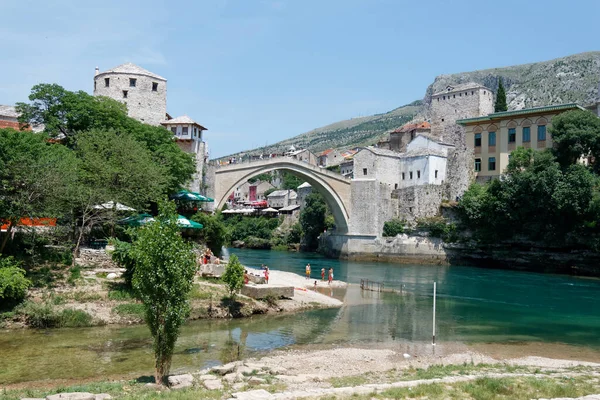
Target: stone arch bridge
(334,187)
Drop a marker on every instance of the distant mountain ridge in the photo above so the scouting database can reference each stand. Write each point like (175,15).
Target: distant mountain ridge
(571,79)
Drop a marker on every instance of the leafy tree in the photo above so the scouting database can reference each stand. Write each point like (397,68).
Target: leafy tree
(312,219)
(575,134)
(214,233)
(240,227)
(164,272)
(123,256)
(266,177)
(233,275)
(295,234)
(500,98)
(290,181)
(13,284)
(269,191)
(34,178)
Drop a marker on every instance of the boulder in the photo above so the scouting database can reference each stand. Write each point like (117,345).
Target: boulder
(206,377)
(213,384)
(254,381)
(260,394)
(180,381)
(72,396)
(242,369)
(233,377)
(262,291)
(111,276)
(225,369)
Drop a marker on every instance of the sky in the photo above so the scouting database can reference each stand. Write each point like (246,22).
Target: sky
(258,71)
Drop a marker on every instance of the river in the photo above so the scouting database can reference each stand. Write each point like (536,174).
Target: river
(474,305)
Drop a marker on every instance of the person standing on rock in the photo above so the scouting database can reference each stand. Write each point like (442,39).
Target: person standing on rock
(323,274)
(267,274)
(308,271)
(330,275)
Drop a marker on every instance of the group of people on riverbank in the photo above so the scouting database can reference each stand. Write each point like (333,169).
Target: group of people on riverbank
(329,275)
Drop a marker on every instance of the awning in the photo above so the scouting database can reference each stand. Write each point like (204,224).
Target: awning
(190,196)
(112,205)
(290,208)
(143,219)
(270,210)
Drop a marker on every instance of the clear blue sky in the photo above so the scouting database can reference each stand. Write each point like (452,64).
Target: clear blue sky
(258,71)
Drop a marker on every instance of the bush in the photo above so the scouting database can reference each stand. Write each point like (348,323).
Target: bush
(13,284)
(74,274)
(75,319)
(123,257)
(39,315)
(393,227)
(234,275)
(214,233)
(295,234)
(134,309)
(252,242)
(437,227)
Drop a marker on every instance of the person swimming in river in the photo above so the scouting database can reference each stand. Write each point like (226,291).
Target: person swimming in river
(308,271)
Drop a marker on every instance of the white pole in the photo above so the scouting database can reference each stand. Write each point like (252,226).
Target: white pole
(434,284)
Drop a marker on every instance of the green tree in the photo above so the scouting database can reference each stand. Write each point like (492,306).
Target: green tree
(575,134)
(393,227)
(34,178)
(214,233)
(233,275)
(312,219)
(13,284)
(164,272)
(290,181)
(500,98)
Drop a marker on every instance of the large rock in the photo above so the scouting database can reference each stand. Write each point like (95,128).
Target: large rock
(260,394)
(227,368)
(78,396)
(233,377)
(262,291)
(180,381)
(213,384)
(255,381)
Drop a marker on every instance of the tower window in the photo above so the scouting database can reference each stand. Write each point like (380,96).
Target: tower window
(418,174)
(154,86)
(124,94)
(395,186)
(95,85)
(364,171)
(453,96)
(132,82)
(106,82)
(410,174)
(436,173)
(403,176)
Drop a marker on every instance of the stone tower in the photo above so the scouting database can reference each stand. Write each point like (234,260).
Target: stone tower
(467,100)
(144,92)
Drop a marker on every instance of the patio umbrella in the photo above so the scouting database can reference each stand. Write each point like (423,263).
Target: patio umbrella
(190,196)
(270,210)
(143,219)
(112,205)
(183,222)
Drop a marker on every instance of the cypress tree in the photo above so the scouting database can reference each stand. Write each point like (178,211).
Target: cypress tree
(500,98)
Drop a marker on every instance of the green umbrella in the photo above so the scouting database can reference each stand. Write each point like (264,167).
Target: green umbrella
(190,196)
(185,223)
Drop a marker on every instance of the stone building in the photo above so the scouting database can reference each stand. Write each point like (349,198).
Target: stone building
(304,155)
(282,198)
(330,158)
(458,102)
(9,118)
(402,136)
(347,168)
(188,134)
(144,92)
(303,191)
(493,137)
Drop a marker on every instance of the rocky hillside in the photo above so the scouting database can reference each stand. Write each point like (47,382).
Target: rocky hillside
(563,80)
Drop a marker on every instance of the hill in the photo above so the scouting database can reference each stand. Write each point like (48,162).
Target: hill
(563,80)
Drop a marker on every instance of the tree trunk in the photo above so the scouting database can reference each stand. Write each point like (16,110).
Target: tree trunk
(76,249)
(5,240)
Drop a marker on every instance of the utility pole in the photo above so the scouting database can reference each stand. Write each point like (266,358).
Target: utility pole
(434,294)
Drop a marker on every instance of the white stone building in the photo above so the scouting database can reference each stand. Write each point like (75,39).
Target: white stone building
(347,168)
(303,191)
(188,134)
(144,92)
(282,198)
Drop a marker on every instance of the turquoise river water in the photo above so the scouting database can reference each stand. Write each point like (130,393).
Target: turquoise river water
(480,307)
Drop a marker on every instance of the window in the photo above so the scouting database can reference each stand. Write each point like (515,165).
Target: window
(442,119)
(154,86)
(541,133)
(364,171)
(444,97)
(132,82)
(395,186)
(512,135)
(477,164)
(410,174)
(95,85)
(184,130)
(436,174)
(124,94)
(526,134)
(453,96)
(418,174)
(106,82)
(478,140)
(492,164)
(403,176)
(492,139)
(174,130)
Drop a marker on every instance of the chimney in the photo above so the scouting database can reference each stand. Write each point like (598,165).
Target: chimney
(97,71)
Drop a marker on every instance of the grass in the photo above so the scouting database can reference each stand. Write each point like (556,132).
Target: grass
(74,275)
(85,297)
(45,315)
(119,291)
(130,309)
(201,293)
(346,381)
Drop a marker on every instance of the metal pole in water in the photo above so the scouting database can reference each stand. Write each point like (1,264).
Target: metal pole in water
(434,287)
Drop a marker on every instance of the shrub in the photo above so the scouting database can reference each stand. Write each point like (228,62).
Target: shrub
(234,275)
(75,318)
(134,309)
(74,274)
(123,257)
(393,227)
(253,242)
(214,233)
(13,284)
(295,234)
(39,315)
(437,227)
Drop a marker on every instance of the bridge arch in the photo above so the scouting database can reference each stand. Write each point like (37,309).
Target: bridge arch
(334,187)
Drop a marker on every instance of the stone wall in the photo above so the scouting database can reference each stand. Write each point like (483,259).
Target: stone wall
(371,206)
(417,202)
(460,168)
(142,103)
(468,102)
(400,249)
(209,187)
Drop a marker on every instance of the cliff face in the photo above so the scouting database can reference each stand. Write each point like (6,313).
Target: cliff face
(571,79)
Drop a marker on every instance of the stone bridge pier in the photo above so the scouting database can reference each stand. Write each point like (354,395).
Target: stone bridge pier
(334,187)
